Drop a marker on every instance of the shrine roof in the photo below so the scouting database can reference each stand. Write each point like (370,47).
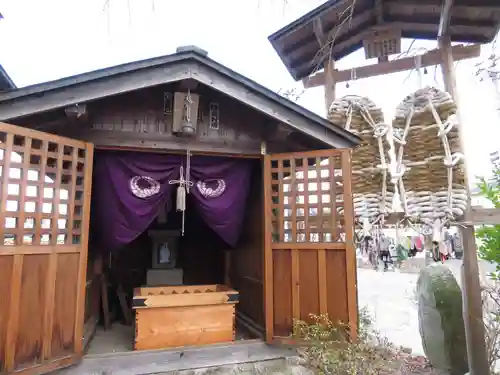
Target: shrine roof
(472,21)
(187,63)
(6,82)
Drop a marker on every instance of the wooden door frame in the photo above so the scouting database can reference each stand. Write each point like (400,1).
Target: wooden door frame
(348,247)
(19,250)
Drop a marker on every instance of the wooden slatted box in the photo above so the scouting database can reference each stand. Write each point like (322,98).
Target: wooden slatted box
(174,316)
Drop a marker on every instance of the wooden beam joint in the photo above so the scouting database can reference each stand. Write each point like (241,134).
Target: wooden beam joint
(319,32)
(444,21)
(431,58)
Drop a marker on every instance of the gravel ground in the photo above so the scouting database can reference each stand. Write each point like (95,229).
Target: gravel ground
(390,298)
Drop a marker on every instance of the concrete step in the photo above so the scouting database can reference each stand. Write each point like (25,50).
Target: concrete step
(240,357)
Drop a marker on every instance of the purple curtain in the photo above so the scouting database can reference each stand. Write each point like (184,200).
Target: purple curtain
(220,192)
(129,189)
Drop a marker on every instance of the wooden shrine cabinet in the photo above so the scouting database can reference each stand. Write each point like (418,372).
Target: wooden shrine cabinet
(169,317)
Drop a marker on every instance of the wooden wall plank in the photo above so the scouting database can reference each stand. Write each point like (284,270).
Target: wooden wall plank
(65,305)
(268,250)
(48,311)
(30,331)
(336,284)
(350,252)
(13,316)
(295,283)
(6,272)
(246,271)
(322,282)
(309,284)
(282,293)
(84,239)
(7,154)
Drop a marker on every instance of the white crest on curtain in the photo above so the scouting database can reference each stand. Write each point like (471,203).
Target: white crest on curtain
(209,192)
(153,189)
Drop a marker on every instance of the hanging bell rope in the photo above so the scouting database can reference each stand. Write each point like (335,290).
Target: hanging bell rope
(418,66)
(380,131)
(183,188)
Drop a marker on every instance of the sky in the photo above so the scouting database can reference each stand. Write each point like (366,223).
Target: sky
(51,39)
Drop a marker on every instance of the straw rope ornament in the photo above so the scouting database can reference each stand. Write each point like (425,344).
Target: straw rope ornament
(372,195)
(428,165)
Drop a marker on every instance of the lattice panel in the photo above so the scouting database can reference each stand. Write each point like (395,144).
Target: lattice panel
(307,196)
(42,188)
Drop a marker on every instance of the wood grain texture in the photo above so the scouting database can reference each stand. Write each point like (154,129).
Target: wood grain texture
(41,254)
(309,240)
(184,315)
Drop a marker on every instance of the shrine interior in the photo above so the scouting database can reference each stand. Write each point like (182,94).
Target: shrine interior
(163,255)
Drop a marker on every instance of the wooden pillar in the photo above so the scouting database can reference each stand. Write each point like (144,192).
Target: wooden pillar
(329,85)
(473,309)
(227,268)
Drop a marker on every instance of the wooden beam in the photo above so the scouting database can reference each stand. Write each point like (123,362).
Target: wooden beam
(207,75)
(298,62)
(425,6)
(444,21)
(319,33)
(330,84)
(92,90)
(430,58)
(323,40)
(379,12)
(484,216)
(274,109)
(479,31)
(471,285)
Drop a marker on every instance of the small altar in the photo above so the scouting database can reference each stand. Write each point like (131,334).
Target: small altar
(169,317)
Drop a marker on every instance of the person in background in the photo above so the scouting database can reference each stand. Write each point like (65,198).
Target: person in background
(385,254)
(458,246)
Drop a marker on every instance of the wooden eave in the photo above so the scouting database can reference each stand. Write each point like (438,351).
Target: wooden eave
(129,77)
(6,82)
(471,21)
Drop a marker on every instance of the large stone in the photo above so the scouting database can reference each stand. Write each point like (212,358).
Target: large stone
(440,319)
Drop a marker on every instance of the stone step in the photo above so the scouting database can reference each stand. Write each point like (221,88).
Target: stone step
(251,356)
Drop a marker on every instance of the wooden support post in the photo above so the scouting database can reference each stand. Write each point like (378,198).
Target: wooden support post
(329,84)
(473,309)
(329,66)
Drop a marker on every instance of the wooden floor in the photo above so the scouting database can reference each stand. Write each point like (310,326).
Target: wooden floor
(119,339)
(162,361)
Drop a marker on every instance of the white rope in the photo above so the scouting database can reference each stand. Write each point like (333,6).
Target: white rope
(450,161)
(183,188)
(418,66)
(375,207)
(399,168)
(438,208)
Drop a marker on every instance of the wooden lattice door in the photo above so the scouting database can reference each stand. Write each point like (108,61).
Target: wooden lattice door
(44,217)
(309,250)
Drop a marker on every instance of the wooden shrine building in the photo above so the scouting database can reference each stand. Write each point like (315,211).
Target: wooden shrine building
(294,251)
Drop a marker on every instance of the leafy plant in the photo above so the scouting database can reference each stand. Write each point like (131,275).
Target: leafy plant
(488,236)
(491,307)
(327,348)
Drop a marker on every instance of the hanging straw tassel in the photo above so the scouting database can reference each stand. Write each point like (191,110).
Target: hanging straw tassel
(182,191)
(181,198)
(367,226)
